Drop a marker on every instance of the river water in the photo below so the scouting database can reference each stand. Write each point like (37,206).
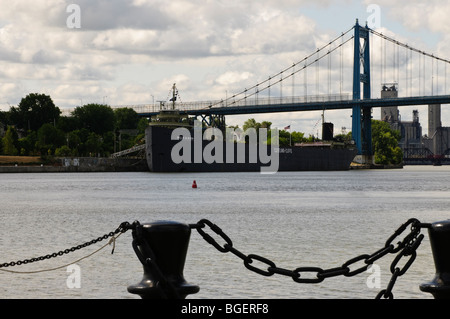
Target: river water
(295,219)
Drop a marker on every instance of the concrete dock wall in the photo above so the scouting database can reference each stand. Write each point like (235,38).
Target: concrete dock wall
(82,164)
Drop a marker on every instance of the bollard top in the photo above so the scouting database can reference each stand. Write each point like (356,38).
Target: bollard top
(164,223)
(166,226)
(441,226)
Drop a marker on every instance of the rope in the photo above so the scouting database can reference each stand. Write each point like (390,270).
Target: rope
(111,241)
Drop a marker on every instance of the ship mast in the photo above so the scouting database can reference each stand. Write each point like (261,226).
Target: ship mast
(174,95)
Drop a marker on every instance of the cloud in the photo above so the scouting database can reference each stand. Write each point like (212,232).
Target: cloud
(416,15)
(232,77)
(132,51)
(117,14)
(35,40)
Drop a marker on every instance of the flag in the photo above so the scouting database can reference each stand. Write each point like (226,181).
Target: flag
(287,127)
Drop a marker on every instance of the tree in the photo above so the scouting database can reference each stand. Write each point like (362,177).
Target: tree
(266,124)
(47,130)
(27,144)
(126,118)
(4,117)
(10,141)
(142,126)
(93,144)
(63,151)
(284,138)
(34,111)
(289,139)
(343,137)
(108,143)
(49,138)
(74,142)
(298,137)
(385,144)
(67,124)
(251,123)
(97,118)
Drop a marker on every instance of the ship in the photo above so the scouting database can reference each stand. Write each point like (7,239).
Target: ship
(175,143)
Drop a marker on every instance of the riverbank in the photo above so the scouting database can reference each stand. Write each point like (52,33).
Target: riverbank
(34,164)
(354,165)
(23,160)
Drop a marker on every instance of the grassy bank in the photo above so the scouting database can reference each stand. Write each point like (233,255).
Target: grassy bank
(20,160)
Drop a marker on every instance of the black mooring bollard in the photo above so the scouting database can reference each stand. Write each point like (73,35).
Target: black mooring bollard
(439,233)
(162,247)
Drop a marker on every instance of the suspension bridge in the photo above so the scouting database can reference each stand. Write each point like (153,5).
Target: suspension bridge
(423,79)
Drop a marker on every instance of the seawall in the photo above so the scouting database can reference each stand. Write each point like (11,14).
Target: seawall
(81,164)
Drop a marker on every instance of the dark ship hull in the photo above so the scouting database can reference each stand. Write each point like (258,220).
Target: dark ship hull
(315,157)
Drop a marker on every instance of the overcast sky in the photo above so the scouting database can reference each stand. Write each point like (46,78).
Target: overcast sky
(126,52)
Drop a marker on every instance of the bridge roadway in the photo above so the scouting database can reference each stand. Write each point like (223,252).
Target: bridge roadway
(288,104)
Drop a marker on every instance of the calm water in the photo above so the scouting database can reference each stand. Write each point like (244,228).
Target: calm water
(317,219)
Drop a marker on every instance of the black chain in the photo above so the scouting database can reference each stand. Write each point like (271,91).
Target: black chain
(405,248)
(123,227)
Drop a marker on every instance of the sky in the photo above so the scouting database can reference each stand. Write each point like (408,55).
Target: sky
(130,52)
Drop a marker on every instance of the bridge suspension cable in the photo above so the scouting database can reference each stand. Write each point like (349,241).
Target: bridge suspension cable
(413,72)
(403,67)
(290,72)
(381,35)
(332,46)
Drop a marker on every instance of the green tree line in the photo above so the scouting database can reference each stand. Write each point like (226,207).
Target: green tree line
(289,138)
(36,127)
(385,144)
(385,141)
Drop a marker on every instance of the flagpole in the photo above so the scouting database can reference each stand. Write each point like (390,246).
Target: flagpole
(290,136)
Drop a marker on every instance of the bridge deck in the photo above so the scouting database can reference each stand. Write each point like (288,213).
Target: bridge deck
(290,104)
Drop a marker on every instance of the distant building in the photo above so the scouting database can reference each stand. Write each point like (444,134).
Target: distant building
(417,149)
(438,136)
(389,114)
(411,132)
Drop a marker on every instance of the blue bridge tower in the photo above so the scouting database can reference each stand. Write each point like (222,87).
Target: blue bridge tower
(362,116)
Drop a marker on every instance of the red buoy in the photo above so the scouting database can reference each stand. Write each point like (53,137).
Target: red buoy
(194,184)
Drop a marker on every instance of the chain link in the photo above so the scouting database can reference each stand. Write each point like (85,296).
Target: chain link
(405,248)
(123,227)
